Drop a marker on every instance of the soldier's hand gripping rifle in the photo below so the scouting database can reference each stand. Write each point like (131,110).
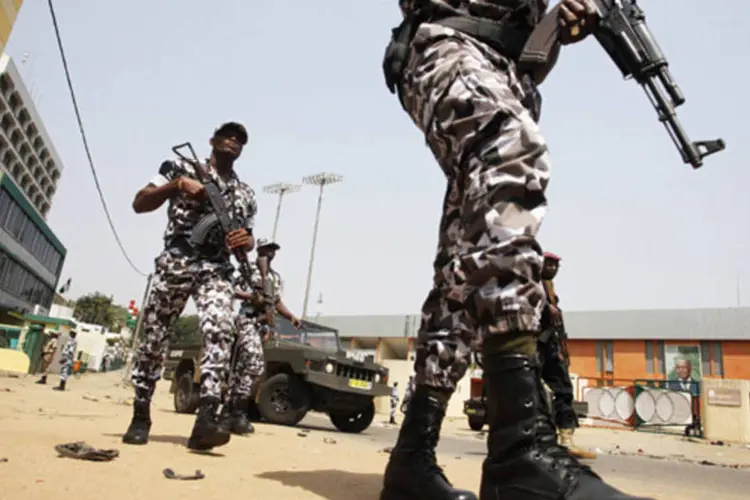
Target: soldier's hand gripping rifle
(220,215)
(624,35)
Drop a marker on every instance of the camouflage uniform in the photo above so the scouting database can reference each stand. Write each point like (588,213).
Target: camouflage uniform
(478,115)
(394,403)
(67,358)
(182,273)
(251,327)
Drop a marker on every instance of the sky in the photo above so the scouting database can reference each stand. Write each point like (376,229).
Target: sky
(636,228)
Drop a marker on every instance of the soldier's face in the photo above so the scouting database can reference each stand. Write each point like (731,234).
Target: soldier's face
(228,146)
(549,270)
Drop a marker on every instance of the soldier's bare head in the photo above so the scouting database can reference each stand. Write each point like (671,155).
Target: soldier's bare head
(227,143)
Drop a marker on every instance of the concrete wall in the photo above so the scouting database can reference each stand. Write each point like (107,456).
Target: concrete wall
(726,410)
(400,371)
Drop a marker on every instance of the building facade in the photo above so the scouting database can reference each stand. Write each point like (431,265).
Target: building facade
(607,348)
(31,256)
(8,13)
(26,150)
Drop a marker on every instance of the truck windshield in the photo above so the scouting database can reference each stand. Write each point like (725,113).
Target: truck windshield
(325,341)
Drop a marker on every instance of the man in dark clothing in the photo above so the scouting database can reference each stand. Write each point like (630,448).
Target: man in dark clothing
(555,363)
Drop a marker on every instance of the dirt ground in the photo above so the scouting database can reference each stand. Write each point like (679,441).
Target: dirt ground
(275,462)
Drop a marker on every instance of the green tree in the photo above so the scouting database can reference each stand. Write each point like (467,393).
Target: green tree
(99,309)
(186,329)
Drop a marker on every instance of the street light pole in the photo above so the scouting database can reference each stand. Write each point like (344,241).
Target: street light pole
(280,189)
(321,179)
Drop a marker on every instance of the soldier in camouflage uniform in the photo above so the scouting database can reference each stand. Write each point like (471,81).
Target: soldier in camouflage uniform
(555,371)
(67,358)
(183,271)
(251,326)
(394,403)
(48,352)
(478,114)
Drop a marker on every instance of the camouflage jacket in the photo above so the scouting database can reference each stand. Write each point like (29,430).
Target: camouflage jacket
(256,285)
(184,213)
(69,350)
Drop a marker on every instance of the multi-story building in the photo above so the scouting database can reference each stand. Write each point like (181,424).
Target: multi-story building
(8,12)
(31,256)
(26,151)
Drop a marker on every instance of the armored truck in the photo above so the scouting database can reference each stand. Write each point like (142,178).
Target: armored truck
(306,370)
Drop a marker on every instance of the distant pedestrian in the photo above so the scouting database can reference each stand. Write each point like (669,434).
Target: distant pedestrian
(67,358)
(48,352)
(394,403)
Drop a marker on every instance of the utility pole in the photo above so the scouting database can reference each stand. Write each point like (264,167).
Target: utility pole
(280,189)
(322,179)
(134,340)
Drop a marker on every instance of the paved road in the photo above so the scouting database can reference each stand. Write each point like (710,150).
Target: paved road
(689,480)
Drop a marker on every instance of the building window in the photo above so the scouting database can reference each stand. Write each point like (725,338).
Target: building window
(650,366)
(605,356)
(19,282)
(661,364)
(599,357)
(706,359)
(717,358)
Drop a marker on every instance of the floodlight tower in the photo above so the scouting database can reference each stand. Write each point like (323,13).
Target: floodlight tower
(322,179)
(280,189)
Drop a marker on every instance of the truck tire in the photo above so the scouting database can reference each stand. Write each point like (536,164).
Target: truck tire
(476,423)
(284,399)
(354,423)
(187,394)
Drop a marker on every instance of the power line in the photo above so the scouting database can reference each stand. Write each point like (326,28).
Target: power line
(85,141)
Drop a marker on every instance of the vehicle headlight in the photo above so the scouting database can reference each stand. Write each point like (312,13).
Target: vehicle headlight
(329,368)
(376,379)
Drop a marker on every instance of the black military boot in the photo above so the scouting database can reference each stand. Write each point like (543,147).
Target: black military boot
(239,424)
(524,461)
(60,387)
(208,431)
(42,380)
(140,425)
(412,472)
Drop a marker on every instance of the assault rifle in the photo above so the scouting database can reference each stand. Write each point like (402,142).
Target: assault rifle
(220,217)
(558,325)
(624,35)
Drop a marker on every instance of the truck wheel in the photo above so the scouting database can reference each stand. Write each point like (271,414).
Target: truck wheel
(283,400)
(476,423)
(187,395)
(354,423)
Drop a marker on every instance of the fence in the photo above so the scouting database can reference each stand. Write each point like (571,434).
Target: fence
(642,404)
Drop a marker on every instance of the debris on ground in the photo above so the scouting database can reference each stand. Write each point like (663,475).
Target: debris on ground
(329,441)
(3,460)
(90,398)
(388,450)
(170,474)
(83,451)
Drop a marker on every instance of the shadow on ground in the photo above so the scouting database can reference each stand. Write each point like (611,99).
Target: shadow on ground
(331,484)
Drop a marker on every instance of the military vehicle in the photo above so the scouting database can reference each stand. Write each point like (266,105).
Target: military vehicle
(306,370)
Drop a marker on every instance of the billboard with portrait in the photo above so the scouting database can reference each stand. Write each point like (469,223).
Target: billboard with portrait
(683,368)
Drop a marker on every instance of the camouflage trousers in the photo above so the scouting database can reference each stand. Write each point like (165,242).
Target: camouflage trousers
(177,278)
(466,98)
(249,363)
(66,369)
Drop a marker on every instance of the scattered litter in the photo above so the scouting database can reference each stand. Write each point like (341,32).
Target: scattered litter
(302,434)
(599,451)
(83,451)
(7,389)
(3,460)
(717,443)
(389,449)
(90,398)
(170,474)
(329,441)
